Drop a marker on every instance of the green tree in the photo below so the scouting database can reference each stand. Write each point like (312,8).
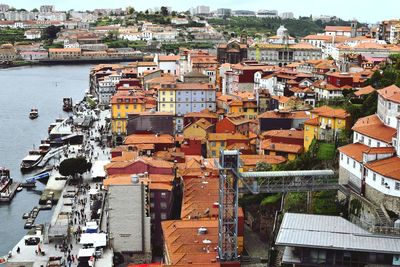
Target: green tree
(263,167)
(131,10)
(35,10)
(51,32)
(73,166)
(164,11)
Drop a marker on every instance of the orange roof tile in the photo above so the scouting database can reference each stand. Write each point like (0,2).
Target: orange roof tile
(252,160)
(391,93)
(365,91)
(354,151)
(326,111)
(148,139)
(281,147)
(389,167)
(295,134)
(373,127)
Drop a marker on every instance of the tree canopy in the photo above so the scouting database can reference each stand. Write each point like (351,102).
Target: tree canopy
(73,166)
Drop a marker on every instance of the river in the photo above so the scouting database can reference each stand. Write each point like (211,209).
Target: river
(21,89)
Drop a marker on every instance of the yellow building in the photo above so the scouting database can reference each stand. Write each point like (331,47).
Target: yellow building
(199,129)
(123,103)
(325,123)
(218,141)
(166,98)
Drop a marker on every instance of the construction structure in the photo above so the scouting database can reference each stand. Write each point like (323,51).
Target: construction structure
(232,182)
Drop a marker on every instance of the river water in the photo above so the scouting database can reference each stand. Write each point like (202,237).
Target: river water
(21,89)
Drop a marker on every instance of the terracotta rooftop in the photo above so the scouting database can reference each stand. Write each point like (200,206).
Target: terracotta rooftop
(326,111)
(148,139)
(185,247)
(391,93)
(199,196)
(252,160)
(295,134)
(373,127)
(281,147)
(314,122)
(354,151)
(206,113)
(389,167)
(365,91)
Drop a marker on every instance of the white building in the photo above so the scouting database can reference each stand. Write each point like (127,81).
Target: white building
(371,165)
(168,64)
(129,220)
(4,8)
(287,15)
(47,8)
(106,88)
(267,14)
(33,34)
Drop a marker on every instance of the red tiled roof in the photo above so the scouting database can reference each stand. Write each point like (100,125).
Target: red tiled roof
(354,151)
(365,91)
(389,167)
(373,127)
(391,93)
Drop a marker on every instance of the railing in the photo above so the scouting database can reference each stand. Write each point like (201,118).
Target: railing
(376,229)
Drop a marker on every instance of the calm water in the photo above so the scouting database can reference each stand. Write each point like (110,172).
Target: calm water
(21,89)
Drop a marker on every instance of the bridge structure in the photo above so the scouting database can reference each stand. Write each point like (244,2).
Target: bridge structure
(232,182)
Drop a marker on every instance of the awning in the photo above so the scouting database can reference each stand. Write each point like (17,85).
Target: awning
(86,252)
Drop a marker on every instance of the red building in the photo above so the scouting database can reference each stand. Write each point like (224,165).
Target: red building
(192,147)
(233,125)
(140,165)
(339,79)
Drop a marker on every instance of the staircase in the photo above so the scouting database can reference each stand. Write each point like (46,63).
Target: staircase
(383,219)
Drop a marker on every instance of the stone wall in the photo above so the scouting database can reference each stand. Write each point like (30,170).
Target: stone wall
(391,203)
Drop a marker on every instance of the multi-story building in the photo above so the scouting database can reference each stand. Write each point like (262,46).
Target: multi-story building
(4,8)
(267,13)
(64,53)
(47,8)
(218,141)
(8,52)
(232,52)
(286,15)
(223,12)
(182,98)
(325,124)
(123,103)
(371,165)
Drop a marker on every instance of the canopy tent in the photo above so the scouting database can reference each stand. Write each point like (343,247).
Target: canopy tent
(97,240)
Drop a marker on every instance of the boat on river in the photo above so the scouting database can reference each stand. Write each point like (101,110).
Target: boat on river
(67,104)
(5,179)
(32,160)
(33,114)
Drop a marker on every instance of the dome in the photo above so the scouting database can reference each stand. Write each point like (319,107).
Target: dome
(282,31)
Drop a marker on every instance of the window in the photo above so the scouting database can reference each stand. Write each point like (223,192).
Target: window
(163,216)
(163,93)
(383,181)
(118,106)
(389,105)
(369,142)
(222,143)
(374,177)
(348,160)
(378,144)
(213,153)
(213,144)
(397,186)
(151,205)
(354,164)
(126,106)
(163,194)
(307,128)
(151,194)
(341,155)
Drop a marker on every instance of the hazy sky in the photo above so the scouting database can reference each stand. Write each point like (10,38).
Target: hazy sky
(363,10)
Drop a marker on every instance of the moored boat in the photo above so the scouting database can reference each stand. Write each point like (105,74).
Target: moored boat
(67,104)
(32,160)
(34,113)
(5,179)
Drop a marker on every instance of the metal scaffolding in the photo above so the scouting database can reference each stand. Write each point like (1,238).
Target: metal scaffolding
(232,182)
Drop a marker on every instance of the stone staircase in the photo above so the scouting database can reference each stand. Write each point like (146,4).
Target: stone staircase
(383,218)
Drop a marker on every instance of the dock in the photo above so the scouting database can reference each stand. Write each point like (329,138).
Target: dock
(11,191)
